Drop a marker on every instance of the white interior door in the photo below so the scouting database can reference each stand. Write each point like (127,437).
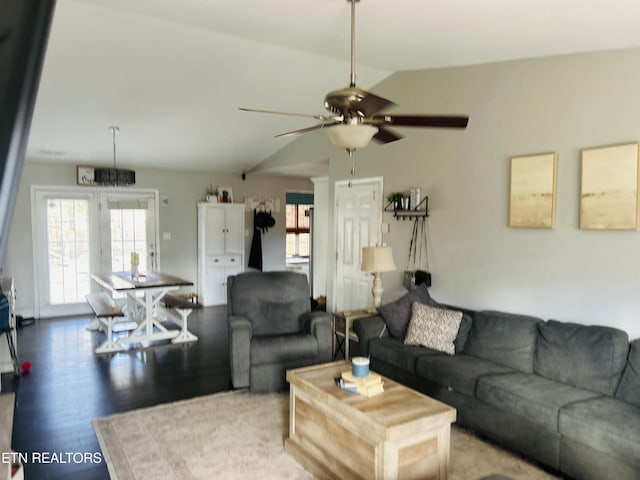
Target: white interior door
(357,216)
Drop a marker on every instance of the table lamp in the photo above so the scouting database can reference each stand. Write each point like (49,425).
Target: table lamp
(377,260)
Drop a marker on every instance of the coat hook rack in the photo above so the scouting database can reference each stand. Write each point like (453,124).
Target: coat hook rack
(420,210)
(262,204)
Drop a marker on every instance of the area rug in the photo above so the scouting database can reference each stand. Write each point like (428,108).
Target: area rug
(238,435)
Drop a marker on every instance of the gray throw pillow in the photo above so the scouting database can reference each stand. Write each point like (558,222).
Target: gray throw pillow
(463,331)
(434,328)
(397,314)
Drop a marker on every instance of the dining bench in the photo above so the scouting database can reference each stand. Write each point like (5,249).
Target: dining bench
(183,307)
(108,313)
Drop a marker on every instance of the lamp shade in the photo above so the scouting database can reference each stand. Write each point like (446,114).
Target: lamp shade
(377,259)
(351,137)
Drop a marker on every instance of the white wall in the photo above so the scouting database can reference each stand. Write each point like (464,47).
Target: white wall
(320,240)
(183,190)
(560,104)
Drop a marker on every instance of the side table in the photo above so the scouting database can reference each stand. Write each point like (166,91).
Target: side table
(342,332)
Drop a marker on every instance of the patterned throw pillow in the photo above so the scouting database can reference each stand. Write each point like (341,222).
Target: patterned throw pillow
(434,328)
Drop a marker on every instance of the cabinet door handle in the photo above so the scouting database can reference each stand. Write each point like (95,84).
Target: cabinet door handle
(233,259)
(215,260)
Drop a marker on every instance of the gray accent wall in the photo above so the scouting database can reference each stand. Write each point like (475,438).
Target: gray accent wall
(554,104)
(182,189)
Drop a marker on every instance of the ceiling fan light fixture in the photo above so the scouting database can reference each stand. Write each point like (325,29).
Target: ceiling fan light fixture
(351,137)
(356,112)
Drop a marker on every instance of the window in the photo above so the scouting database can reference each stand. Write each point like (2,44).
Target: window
(297,218)
(298,230)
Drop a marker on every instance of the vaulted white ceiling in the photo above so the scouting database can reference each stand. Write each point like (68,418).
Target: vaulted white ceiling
(172,73)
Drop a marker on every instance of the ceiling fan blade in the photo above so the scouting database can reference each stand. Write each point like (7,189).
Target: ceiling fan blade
(385,135)
(308,129)
(372,104)
(432,121)
(306,115)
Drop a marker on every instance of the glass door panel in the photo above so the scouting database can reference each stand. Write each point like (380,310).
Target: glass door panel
(128,234)
(129,225)
(65,231)
(68,250)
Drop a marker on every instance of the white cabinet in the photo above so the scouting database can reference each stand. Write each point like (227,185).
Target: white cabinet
(8,288)
(220,249)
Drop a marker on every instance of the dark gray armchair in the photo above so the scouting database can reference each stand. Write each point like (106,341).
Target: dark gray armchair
(272,329)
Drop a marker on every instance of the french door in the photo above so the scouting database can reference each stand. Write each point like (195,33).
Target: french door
(128,225)
(80,231)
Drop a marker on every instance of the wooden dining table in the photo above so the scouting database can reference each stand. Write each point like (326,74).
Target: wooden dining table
(145,309)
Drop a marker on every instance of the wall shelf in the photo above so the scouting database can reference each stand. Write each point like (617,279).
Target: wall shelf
(421,210)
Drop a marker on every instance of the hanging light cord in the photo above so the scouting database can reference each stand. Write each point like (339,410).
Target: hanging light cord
(352,83)
(114,129)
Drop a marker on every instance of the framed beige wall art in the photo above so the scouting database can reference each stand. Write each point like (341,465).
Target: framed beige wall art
(609,188)
(532,197)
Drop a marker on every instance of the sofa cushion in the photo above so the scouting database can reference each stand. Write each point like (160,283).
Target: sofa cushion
(504,338)
(433,327)
(530,396)
(629,388)
(458,372)
(397,314)
(394,352)
(283,348)
(604,424)
(588,357)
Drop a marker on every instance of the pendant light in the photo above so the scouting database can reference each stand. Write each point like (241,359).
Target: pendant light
(114,176)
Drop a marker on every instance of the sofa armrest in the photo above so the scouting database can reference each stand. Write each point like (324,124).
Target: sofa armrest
(240,333)
(318,324)
(367,328)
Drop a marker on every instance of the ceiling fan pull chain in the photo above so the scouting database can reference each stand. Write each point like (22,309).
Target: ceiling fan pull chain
(353,162)
(353,167)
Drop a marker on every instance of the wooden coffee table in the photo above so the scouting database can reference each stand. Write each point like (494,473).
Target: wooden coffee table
(337,434)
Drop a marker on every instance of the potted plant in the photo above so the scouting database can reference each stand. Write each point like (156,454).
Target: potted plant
(395,198)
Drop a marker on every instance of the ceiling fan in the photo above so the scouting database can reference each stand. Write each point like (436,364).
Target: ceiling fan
(356,116)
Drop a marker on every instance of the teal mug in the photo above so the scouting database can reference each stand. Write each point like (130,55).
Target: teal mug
(360,366)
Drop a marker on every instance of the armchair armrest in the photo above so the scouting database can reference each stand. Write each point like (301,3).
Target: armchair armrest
(367,328)
(240,334)
(318,324)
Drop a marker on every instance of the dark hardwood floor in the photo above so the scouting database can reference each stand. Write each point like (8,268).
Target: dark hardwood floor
(69,386)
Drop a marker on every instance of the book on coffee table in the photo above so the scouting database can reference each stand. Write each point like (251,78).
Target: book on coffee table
(368,386)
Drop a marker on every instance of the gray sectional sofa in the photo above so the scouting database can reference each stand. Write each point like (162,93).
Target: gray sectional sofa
(563,394)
